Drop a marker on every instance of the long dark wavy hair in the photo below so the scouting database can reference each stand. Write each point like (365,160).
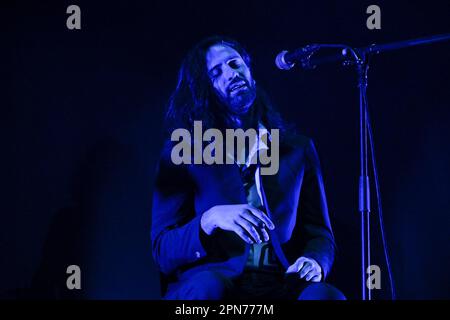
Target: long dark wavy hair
(194,98)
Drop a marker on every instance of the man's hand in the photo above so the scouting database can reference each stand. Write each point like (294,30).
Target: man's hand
(307,268)
(245,220)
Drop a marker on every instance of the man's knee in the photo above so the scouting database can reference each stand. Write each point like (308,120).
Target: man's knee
(205,285)
(320,291)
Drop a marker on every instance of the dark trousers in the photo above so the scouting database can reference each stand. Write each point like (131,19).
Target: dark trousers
(209,285)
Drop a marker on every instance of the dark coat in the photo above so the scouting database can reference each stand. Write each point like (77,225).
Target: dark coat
(294,199)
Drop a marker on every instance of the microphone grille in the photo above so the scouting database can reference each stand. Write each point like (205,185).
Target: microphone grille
(281,63)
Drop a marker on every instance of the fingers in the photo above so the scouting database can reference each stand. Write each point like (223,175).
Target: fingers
(307,267)
(265,234)
(311,271)
(249,228)
(247,222)
(313,275)
(292,268)
(258,224)
(241,233)
(250,217)
(297,265)
(262,216)
(316,278)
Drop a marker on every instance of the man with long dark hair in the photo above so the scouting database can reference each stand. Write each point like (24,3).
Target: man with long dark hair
(232,230)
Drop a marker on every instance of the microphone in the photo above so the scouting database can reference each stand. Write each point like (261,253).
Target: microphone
(286,60)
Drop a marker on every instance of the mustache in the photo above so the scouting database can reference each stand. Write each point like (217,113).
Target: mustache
(237,80)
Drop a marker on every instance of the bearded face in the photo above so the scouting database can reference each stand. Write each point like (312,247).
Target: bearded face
(231,79)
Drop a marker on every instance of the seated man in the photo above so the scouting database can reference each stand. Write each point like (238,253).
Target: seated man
(238,229)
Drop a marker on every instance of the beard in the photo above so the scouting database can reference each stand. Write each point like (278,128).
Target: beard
(239,103)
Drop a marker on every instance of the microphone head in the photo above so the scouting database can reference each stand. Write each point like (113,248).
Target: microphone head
(281,63)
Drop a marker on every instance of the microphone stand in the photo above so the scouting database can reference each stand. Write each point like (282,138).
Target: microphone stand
(364,184)
(360,58)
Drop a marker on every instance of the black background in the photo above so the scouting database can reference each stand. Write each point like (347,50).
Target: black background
(82,112)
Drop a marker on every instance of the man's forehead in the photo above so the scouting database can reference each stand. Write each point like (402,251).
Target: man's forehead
(218,54)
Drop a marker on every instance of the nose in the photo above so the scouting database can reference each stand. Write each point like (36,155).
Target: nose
(230,73)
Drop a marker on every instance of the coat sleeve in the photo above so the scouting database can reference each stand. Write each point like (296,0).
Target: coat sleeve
(315,226)
(176,235)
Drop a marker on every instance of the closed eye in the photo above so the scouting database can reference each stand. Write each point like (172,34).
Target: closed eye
(235,63)
(214,73)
